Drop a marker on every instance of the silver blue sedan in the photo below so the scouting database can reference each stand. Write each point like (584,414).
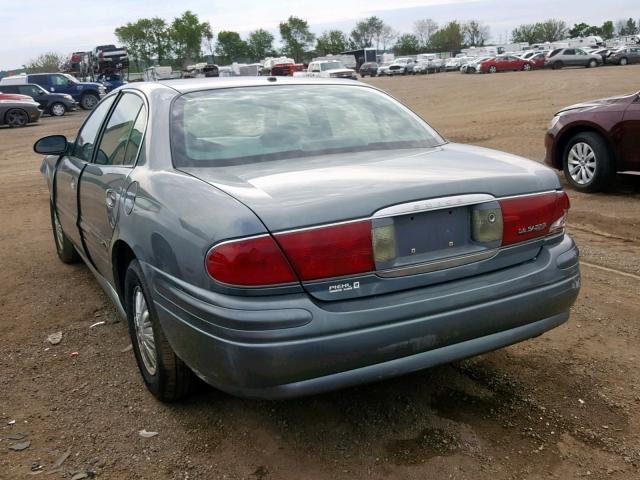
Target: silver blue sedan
(279,237)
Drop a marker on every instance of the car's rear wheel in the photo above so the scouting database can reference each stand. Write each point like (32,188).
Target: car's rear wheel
(89,101)
(526,67)
(16,118)
(592,64)
(557,65)
(587,163)
(57,109)
(167,377)
(623,61)
(493,69)
(64,248)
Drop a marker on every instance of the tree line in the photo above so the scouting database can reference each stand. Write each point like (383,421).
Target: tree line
(185,39)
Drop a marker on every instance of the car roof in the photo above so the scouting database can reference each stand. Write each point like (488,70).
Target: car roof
(186,85)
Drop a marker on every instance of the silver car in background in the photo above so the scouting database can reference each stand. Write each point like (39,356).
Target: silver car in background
(572,57)
(280,237)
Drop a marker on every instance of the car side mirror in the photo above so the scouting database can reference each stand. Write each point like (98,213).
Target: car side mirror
(51,145)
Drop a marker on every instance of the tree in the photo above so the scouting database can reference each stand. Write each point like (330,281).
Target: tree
(230,47)
(607,30)
(187,34)
(260,44)
(138,43)
(296,37)
(527,33)
(553,30)
(407,44)
(331,42)
(475,33)
(368,32)
(46,62)
(448,39)
(423,30)
(630,28)
(387,36)
(579,30)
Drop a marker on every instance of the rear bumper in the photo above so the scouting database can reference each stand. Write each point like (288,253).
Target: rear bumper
(292,345)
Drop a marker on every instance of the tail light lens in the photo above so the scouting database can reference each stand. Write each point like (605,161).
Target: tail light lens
(533,216)
(331,251)
(249,262)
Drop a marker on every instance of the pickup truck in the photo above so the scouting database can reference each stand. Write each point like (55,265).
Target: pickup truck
(327,69)
(87,94)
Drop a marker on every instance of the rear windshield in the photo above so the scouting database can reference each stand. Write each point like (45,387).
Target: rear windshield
(252,124)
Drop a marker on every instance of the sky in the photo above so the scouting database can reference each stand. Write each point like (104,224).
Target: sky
(31,27)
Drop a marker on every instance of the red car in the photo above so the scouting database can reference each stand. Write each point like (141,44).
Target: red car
(537,60)
(505,63)
(592,141)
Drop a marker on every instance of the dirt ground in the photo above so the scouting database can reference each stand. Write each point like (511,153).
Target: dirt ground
(565,405)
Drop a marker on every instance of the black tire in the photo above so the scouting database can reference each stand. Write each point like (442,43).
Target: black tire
(172,379)
(604,163)
(592,64)
(57,109)
(557,65)
(64,248)
(624,61)
(16,117)
(89,101)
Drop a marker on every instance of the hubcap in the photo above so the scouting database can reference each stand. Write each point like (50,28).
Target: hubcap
(59,232)
(16,118)
(58,110)
(144,331)
(582,163)
(90,101)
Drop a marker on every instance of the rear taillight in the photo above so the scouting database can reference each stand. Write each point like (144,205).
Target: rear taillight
(533,216)
(249,262)
(333,251)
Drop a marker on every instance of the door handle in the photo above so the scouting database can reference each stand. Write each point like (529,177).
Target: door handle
(111,199)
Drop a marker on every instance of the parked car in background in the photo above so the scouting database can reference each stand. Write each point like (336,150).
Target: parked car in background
(18,110)
(537,60)
(426,66)
(454,64)
(505,63)
(277,255)
(55,104)
(401,66)
(369,68)
(624,56)
(603,52)
(87,94)
(327,69)
(382,69)
(591,141)
(111,81)
(473,66)
(572,57)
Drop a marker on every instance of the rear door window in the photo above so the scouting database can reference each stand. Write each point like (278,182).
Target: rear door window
(116,135)
(86,139)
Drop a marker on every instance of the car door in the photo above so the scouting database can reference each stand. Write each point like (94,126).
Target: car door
(69,168)
(634,55)
(630,142)
(59,84)
(103,181)
(35,93)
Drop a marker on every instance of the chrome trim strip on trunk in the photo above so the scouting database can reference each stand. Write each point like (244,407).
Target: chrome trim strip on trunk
(434,204)
(438,264)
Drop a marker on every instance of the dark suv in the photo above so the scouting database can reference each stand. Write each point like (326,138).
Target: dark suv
(55,104)
(369,68)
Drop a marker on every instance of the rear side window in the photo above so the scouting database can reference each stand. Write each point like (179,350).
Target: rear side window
(245,125)
(555,52)
(8,89)
(569,52)
(29,90)
(116,135)
(86,139)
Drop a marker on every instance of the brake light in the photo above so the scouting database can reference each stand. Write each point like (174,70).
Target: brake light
(249,262)
(533,216)
(332,251)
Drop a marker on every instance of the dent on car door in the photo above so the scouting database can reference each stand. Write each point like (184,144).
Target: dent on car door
(69,169)
(104,180)
(631,137)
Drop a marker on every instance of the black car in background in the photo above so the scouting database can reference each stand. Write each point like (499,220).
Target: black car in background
(369,68)
(55,104)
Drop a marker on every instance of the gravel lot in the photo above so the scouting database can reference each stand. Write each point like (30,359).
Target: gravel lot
(565,405)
